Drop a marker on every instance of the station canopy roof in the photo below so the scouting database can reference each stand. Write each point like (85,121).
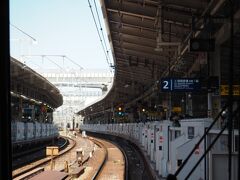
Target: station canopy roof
(150,40)
(30,84)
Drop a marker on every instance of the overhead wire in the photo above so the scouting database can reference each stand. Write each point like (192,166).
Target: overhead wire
(36,65)
(55,55)
(53,62)
(102,41)
(23,32)
(73,62)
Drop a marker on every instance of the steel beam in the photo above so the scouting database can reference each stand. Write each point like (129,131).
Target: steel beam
(133,52)
(135,9)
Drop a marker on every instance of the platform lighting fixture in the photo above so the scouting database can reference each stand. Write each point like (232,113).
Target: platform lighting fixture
(126,85)
(182,100)
(24,97)
(38,102)
(33,100)
(143,110)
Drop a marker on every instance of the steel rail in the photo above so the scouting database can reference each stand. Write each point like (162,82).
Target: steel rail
(100,144)
(32,150)
(43,161)
(133,146)
(125,159)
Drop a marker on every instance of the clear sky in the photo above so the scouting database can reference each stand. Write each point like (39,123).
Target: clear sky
(61,27)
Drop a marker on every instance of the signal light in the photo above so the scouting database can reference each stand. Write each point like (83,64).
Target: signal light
(119,111)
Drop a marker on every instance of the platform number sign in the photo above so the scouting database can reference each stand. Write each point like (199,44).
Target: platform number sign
(166,84)
(180,84)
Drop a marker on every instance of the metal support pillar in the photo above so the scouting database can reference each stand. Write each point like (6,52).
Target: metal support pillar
(170,105)
(238,141)
(209,105)
(230,97)
(215,70)
(209,95)
(20,109)
(189,104)
(170,73)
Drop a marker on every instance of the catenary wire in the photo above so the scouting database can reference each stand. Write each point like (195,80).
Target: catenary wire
(94,19)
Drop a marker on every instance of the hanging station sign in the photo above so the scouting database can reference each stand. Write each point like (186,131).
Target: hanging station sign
(180,85)
(225,90)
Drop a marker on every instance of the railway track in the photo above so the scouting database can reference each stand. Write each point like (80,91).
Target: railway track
(129,166)
(104,159)
(23,158)
(135,163)
(111,163)
(34,156)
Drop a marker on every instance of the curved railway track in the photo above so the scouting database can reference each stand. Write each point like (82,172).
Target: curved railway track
(111,164)
(36,164)
(135,162)
(23,158)
(100,144)
(135,165)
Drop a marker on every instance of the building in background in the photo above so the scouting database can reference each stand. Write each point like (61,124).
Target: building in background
(79,89)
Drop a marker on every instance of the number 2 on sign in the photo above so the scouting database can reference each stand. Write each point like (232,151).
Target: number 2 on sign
(165,85)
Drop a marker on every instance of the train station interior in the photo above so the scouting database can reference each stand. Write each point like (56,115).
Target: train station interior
(175,94)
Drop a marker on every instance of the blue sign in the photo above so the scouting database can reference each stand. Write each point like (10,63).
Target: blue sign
(180,84)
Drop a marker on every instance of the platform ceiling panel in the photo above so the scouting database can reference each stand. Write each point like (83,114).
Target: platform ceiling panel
(149,40)
(136,27)
(26,81)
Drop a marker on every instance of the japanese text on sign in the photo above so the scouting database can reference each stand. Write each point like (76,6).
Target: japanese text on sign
(180,84)
(225,90)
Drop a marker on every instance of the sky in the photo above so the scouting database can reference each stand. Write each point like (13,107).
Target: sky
(60,27)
